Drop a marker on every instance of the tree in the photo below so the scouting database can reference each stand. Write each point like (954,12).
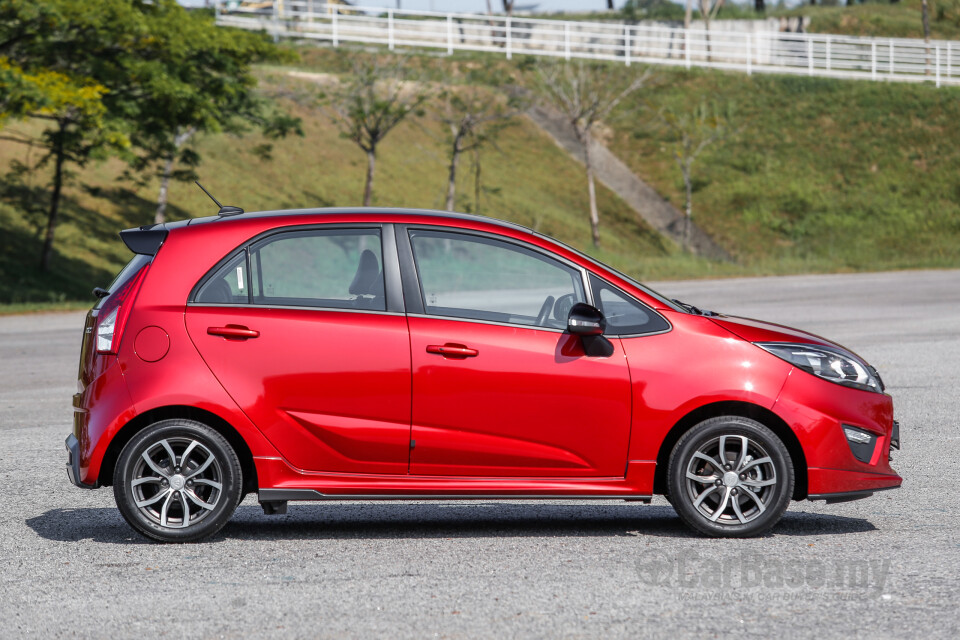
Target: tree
(369,104)
(201,81)
(925,19)
(473,118)
(708,11)
(586,93)
(156,69)
(693,131)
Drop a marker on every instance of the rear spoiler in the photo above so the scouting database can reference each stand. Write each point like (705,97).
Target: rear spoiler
(144,240)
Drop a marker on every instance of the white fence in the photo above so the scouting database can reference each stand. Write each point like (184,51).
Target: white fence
(832,56)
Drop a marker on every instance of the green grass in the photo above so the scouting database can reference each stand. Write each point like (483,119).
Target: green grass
(882,19)
(529,180)
(826,176)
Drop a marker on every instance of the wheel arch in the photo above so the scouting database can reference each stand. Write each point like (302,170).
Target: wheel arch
(212,420)
(732,408)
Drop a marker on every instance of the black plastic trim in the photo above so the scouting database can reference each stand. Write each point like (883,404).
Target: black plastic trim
(144,240)
(412,298)
(393,280)
(284,495)
(73,463)
(847,496)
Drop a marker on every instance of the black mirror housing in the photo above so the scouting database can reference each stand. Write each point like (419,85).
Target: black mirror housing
(584,320)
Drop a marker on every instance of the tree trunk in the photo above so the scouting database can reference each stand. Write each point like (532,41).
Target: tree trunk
(452,178)
(591,190)
(760,7)
(159,217)
(926,31)
(368,189)
(688,16)
(180,139)
(688,185)
(476,179)
(47,249)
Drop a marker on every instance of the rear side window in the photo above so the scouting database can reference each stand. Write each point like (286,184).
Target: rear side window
(230,285)
(334,268)
(625,315)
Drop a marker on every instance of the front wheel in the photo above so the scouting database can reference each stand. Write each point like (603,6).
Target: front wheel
(730,477)
(177,481)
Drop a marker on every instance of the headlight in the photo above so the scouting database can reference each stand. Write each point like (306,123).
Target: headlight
(829,363)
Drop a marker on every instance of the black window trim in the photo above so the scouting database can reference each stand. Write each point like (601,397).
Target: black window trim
(413,293)
(391,271)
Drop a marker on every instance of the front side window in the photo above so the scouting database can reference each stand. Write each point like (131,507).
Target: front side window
(479,278)
(624,315)
(335,268)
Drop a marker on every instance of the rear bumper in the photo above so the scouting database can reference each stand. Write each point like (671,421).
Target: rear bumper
(73,462)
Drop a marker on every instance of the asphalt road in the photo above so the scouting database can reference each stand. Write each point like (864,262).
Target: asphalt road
(888,566)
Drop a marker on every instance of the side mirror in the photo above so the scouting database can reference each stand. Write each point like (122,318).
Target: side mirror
(588,323)
(584,320)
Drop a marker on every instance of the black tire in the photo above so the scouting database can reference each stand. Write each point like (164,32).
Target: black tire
(154,493)
(744,498)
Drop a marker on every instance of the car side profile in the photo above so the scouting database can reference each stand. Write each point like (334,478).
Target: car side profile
(370,354)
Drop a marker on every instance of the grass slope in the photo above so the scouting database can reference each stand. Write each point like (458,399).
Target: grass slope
(530,181)
(827,175)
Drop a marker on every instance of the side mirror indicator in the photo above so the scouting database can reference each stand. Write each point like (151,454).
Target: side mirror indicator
(585,320)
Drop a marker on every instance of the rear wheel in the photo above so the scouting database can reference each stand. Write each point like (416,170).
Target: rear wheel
(730,477)
(177,481)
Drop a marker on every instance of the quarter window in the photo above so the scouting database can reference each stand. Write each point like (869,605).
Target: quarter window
(474,277)
(625,316)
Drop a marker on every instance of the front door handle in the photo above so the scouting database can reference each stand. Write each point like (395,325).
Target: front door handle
(452,350)
(233,332)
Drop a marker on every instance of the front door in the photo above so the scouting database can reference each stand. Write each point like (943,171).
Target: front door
(296,327)
(499,389)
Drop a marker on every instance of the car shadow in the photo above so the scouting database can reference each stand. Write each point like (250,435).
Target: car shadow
(383,521)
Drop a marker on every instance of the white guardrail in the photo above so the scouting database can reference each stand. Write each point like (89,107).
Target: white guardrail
(832,56)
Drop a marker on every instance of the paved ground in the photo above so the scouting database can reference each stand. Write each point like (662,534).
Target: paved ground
(884,567)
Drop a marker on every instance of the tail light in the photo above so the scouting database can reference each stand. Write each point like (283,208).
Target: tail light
(112,317)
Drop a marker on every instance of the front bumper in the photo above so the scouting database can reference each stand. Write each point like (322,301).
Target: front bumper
(819,413)
(73,462)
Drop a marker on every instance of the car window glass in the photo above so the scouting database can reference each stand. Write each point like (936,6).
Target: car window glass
(624,315)
(475,277)
(341,269)
(230,285)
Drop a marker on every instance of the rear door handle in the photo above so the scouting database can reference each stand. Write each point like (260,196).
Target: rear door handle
(452,350)
(233,332)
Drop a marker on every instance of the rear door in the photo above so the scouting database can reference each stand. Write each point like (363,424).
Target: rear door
(305,329)
(499,389)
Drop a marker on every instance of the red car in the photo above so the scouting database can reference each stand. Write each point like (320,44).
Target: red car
(401,354)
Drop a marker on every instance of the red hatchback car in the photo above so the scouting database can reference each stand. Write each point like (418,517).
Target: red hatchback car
(402,354)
